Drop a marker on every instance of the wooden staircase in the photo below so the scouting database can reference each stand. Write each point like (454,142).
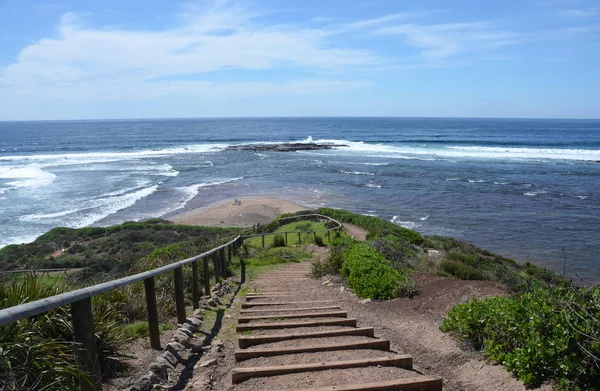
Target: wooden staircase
(287,340)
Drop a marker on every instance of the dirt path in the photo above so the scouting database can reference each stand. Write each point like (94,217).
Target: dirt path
(270,324)
(355,231)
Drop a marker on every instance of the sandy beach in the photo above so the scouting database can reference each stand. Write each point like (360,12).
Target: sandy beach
(227,213)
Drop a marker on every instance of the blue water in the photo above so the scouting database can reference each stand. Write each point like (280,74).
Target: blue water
(526,189)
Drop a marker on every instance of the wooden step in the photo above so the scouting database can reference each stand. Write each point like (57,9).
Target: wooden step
(240,374)
(284,325)
(249,305)
(375,344)
(421,383)
(330,314)
(245,342)
(268,296)
(331,307)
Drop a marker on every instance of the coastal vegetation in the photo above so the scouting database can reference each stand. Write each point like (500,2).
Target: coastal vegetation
(37,353)
(547,334)
(547,330)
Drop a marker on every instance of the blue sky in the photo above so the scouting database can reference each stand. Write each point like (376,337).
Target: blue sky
(131,59)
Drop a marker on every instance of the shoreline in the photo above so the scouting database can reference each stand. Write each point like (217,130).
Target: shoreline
(226,213)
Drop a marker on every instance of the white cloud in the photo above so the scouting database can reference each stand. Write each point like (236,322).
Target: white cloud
(577,13)
(85,64)
(439,41)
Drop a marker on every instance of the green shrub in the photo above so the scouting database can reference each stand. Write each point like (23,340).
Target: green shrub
(369,274)
(278,241)
(319,241)
(550,334)
(376,226)
(463,271)
(330,266)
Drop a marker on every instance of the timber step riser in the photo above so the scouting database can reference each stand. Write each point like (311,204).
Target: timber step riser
(241,374)
(332,307)
(287,325)
(245,354)
(421,383)
(335,314)
(245,342)
(250,305)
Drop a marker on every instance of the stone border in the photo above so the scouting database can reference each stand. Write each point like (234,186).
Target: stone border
(183,344)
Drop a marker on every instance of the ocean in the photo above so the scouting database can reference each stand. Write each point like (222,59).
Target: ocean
(524,188)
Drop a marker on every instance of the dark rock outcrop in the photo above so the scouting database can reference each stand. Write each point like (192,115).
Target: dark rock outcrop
(283,147)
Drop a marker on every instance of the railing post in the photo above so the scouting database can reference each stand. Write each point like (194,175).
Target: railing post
(285,233)
(299,239)
(216,265)
(329,236)
(229,252)
(152,313)
(84,334)
(315,236)
(223,270)
(179,297)
(195,287)
(206,275)
(263,241)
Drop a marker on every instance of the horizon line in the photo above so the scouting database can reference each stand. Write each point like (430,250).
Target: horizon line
(293,117)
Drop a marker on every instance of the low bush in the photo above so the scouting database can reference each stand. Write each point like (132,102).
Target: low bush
(278,241)
(330,266)
(319,241)
(369,274)
(463,271)
(550,334)
(376,226)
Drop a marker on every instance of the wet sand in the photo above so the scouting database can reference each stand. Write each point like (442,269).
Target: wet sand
(226,213)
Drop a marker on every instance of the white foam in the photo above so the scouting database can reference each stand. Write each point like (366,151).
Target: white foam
(108,156)
(373,186)
(32,176)
(581,197)
(357,173)
(207,163)
(527,153)
(424,218)
(476,181)
(476,152)
(452,179)
(107,206)
(44,216)
(189,192)
(406,224)
(500,183)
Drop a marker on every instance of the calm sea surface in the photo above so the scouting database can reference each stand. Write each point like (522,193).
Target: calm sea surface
(528,189)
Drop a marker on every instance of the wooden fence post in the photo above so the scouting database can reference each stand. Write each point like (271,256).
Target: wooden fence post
(329,236)
(206,276)
(216,265)
(315,236)
(87,354)
(263,241)
(179,296)
(152,313)
(286,238)
(229,253)
(195,287)
(299,239)
(223,270)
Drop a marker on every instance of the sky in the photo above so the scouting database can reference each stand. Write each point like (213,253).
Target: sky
(80,59)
